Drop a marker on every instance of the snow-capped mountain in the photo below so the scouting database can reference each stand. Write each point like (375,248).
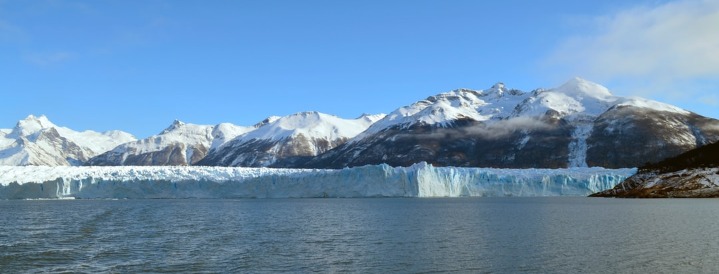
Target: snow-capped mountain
(179,144)
(37,141)
(577,124)
(288,141)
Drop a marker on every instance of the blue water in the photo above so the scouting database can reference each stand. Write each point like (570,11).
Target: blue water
(498,235)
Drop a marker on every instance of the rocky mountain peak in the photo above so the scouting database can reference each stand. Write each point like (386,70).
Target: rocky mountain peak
(266,121)
(498,89)
(314,115)
(31,125)
(174,126)
(371,118)
(37,141)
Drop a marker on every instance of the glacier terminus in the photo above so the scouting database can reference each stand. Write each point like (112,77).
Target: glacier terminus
(419,180)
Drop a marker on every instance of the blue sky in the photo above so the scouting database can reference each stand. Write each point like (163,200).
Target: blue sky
(138,65)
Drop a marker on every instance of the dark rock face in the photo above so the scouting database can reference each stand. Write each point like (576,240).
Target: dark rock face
(171,155)
(177,154)
(703,157)
(110,158)
(74,154)
(287,152)
(464,143)
(629,136)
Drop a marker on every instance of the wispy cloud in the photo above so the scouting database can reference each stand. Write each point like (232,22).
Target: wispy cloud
(503,128)
(712,100)
(491,130)
(648,50)
(10,32)
(48,59)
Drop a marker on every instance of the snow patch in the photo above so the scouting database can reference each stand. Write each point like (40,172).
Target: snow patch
(578,87)
(578,146)
(650,104)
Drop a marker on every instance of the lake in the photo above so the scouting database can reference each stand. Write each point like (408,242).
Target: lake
(534,235)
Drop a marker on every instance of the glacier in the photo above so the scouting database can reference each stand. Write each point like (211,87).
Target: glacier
(419,180)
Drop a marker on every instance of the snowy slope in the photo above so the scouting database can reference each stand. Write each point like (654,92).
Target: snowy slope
(577,97)
(420,180)
(179,144)
(498,103)
(304,134)
(445,108)
(37,141)
(311,125)
(572,125)
(225,132)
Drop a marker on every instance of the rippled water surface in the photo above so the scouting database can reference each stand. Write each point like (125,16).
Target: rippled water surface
(570,235)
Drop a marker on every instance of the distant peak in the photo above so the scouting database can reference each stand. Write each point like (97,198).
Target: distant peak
(267,120)
(38,119)
(175,125)
(304,116)
(363,115)
(579,85)
(306,113)
(371,117)
(33,123)
(500,89)
(498,85)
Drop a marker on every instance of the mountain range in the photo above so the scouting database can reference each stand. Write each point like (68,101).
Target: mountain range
(37,141)
(577,124)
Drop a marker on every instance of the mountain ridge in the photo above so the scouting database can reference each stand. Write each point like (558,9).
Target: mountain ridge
(574,125)
(578,124)
(36,141)
(285,141)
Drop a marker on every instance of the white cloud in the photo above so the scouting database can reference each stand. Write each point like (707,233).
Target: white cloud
(493,130)
(648,50)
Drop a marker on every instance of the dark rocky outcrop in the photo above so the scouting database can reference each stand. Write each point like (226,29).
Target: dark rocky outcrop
(694,174)
(287,152)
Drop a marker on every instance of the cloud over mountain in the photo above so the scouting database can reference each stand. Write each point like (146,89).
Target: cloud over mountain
(666,51)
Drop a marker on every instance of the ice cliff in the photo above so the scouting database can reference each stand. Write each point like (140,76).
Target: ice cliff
(419,180)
